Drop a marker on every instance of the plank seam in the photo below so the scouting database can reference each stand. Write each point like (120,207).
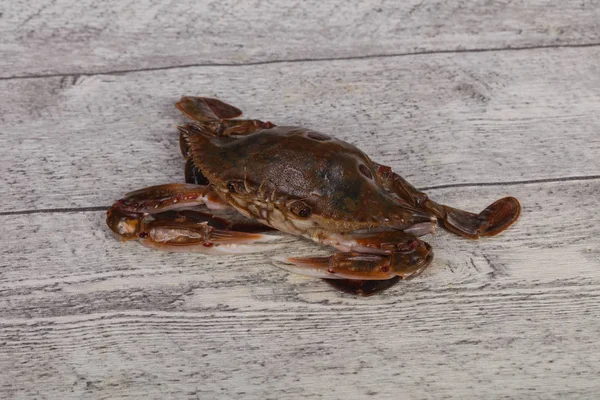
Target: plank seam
(451,185)
(298,60)
(512,183)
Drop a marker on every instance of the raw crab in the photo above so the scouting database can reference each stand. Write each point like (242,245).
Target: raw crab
(298,181)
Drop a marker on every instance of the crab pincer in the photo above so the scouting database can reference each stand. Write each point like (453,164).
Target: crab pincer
(383,256)
(163,218)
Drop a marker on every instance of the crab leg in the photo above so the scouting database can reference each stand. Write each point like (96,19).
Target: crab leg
(155,199)
(205,109)
(215,117)
(494,219)
(193,174)
(384,257)
(155,217)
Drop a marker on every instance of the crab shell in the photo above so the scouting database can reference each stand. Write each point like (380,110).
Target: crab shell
(302,182)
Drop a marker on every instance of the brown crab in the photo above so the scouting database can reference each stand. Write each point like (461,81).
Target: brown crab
(298,181)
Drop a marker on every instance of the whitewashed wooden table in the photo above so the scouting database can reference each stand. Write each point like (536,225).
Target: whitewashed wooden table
(471,100)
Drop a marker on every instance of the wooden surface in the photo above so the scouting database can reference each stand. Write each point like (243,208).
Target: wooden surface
(471,101)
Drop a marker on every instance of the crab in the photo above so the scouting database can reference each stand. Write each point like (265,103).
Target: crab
(302,182)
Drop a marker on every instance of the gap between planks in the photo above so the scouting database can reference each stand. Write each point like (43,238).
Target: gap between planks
(428,188)
(299,60)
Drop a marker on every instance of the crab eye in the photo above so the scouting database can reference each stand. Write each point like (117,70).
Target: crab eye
(305,212)
(365,171)
(300,209)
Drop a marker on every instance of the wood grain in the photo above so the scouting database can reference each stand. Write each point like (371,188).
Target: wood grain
(437,119)
(89,317)
(86,114)
(90,36)
(78,248)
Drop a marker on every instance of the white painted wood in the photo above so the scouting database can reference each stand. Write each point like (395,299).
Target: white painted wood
(437,119)
(83,315)
(78,247)
(517,315)
(81,37)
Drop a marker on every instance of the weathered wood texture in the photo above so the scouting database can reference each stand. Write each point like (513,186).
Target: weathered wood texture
(85,316)
(437,119)
(82,37)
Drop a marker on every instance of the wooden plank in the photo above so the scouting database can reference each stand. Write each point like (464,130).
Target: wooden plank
(515,316)
(101,36)
(85,316)
(437,119)
(551,241)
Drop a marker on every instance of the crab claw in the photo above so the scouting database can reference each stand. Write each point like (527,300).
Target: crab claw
(124,224)
(373,279)
(403,262)
(172,196)
(190,231)
(364,273)
(351,265)
(203,238)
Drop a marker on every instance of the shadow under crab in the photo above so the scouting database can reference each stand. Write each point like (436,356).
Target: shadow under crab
(301,182)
